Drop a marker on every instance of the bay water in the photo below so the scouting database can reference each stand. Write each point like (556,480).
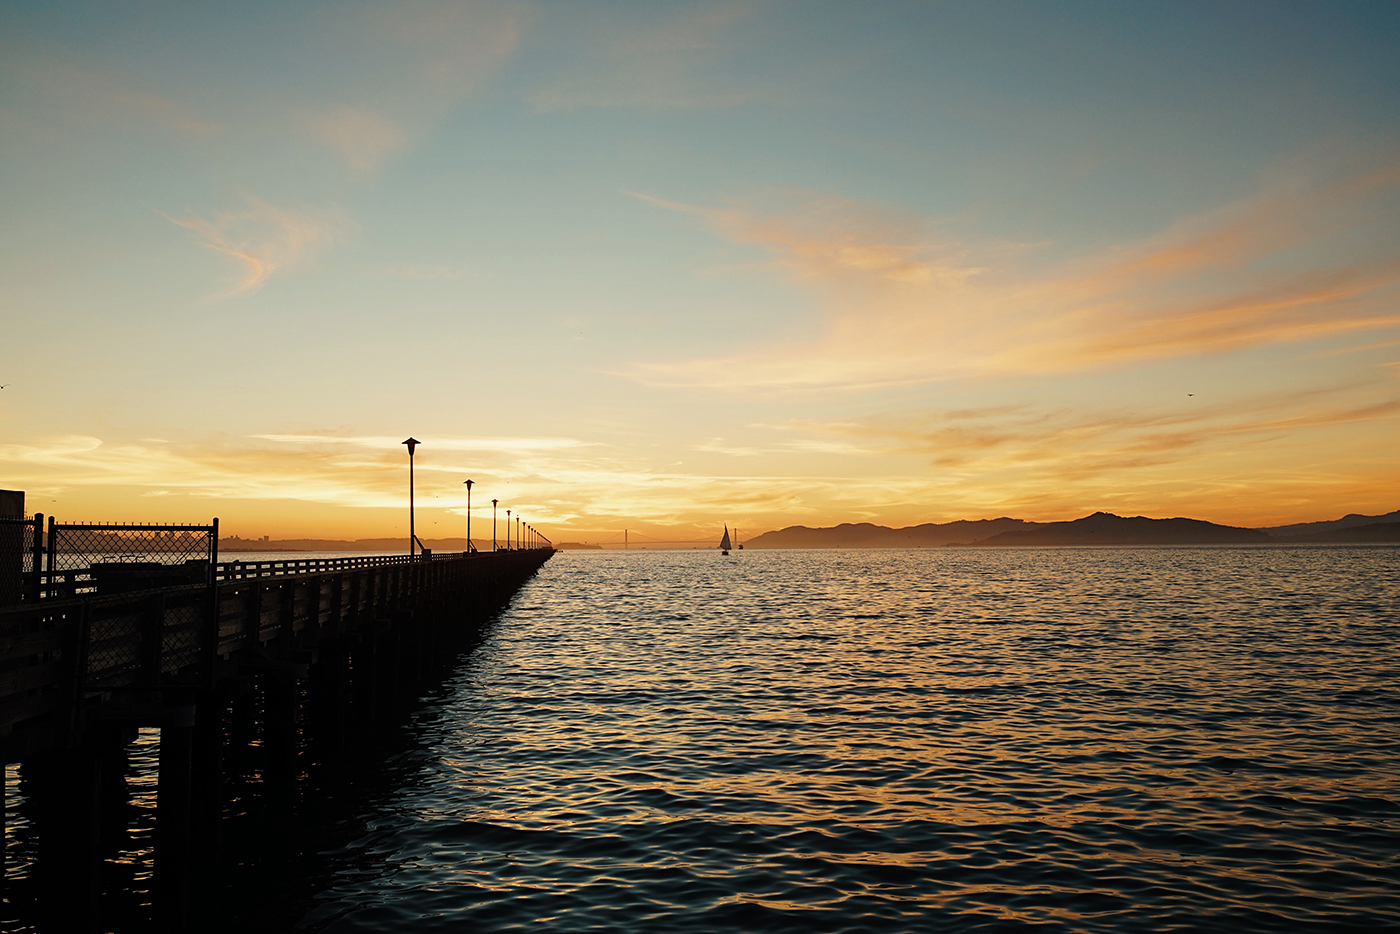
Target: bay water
(1070,739)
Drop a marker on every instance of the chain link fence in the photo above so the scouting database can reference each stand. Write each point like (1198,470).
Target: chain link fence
(126,558)
(20,559)
(142,632)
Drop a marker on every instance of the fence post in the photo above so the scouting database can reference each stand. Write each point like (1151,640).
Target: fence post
(51,556)
(34,586)
(211,628)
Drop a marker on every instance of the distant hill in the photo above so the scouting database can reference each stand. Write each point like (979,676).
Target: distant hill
(1101,528)
(1346,522)
(866,535)
(1373,532)
(1104,528)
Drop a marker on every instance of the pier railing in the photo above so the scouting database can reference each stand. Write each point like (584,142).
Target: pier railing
(150,628)
(236,569)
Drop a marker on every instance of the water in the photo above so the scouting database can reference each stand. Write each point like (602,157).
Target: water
(952,739)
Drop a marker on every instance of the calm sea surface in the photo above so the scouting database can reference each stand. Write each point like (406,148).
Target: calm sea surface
(952,739)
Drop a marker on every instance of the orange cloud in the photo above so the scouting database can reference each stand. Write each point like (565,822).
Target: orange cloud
(901,305)
(264,238)
(363,138)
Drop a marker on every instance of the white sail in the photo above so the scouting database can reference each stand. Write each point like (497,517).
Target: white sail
(724,542)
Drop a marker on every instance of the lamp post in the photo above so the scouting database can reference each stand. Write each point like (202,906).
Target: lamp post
(517,530)
(412,443)
(493,526)
(468,549)
(508,548)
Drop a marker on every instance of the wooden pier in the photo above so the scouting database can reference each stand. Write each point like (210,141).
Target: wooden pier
(272,653)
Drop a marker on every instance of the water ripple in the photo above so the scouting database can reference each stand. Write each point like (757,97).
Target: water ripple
(960,739)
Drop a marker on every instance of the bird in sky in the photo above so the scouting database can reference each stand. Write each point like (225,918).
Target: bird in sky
(1190,393)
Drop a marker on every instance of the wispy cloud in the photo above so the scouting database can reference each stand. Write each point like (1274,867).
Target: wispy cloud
(363,138)
(902,301)
(718,446)
(1066,440)
(263,238)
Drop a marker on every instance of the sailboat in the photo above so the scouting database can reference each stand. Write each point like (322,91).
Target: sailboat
(724,542)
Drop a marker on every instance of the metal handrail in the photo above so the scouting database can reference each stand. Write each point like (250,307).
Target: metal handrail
(79,582)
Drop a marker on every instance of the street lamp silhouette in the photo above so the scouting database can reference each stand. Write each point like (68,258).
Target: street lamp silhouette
(469,516)
(493,525)
(508,548)
(412,443)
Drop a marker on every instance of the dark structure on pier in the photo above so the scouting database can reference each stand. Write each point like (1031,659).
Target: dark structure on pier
(217,656)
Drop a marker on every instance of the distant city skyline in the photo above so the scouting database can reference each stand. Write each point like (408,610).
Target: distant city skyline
(670,266)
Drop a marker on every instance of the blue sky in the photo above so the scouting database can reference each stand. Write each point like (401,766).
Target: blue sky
(663,266)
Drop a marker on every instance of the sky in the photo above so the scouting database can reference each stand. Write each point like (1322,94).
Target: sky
(666,267)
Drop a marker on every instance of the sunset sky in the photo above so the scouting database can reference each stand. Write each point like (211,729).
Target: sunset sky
(668,266)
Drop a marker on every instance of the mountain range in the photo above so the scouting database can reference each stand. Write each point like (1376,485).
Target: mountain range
(1101,528)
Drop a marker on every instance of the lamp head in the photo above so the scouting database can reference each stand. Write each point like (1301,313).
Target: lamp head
(468,483)
(412,443)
